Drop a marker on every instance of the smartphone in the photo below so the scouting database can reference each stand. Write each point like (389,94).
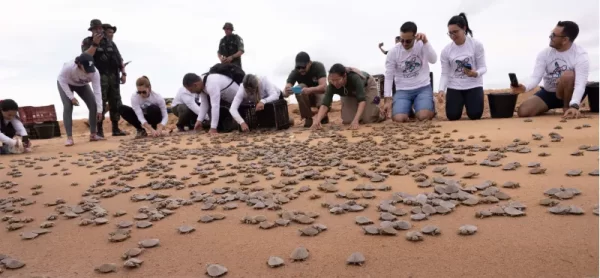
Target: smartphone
(513,80)
(468,66)
(126,64)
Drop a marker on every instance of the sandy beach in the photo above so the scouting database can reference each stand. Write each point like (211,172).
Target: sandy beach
(537,244)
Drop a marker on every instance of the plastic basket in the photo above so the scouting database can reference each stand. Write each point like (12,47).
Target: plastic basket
(40,114)
(592,94)
(44,131)
(275,115)
(502,105)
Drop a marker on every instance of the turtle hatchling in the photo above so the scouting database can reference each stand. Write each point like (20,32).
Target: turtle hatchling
(574,173)
(133,263)
(549,202)
(431,230)
(511,184)
(309,231)
(371,230)
(511,211)
(418,217)
(106,268)
(467,230)
(402,225)
(133,252)
(216,270)
(28,235)
(185,229)
(275,262)
(149,243)
(299,254)
(356,258)
(143,224)
(414,236)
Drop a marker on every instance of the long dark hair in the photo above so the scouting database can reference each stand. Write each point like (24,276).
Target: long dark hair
(460,20)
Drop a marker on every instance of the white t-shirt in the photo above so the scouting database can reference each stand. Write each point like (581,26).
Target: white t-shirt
(550,64)
(138,103)
(453,59)
(217,87)
(72,75)
(408,68)
(268,93)
(19,130)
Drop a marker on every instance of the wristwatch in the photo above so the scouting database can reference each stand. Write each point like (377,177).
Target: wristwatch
(576,106)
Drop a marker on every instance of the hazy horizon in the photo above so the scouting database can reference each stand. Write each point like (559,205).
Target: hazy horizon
(167,40)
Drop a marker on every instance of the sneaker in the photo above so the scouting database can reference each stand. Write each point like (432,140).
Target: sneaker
(69,143)
(308,122)
(118,132)
(96,137)
(141,133)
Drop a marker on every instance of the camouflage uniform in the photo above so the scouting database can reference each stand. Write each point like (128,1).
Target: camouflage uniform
(230,45)
(109,63)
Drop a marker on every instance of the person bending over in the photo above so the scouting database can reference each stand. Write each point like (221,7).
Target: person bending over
(257,91)
(358,93)
(11,128)
(463,67)
(148,111)
(184,104)
(75,76)
(407,65)
(564,66)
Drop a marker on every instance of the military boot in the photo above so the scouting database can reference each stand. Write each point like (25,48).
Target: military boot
(116,131)
(100,129)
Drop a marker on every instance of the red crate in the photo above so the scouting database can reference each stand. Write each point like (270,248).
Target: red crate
(39,114)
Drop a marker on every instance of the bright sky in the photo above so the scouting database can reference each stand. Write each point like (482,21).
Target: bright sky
(165,40)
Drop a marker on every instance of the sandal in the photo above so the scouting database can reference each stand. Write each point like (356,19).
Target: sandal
(96,137)
(69,143)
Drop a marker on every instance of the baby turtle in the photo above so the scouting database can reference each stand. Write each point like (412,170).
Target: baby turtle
(483,213)
(309,231)
(549,202)
(574,173)
(386,216)
(28,235)
(511,184)
(575,210)
(185,229)
(230,206)
(559,210)
(418,217)
(206,219)
(595,210)
(387,230)
(511,211)
(118,236)
(371,230)
(216,270)
(402,225)
(431,230)
(594,173)
(106,268)
(133,252)
(119,213)
(265,225)
(143,224)
(363,220)
(124,224)
(537,171)
(133,263)
(149,243)
(414,236)
(299,254)
(467,230)
(564,195)
(46,225)
(275,262)
(469,175)
(100,221)
(356,258)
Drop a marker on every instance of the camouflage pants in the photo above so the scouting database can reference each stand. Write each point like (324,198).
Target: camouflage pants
(111,95)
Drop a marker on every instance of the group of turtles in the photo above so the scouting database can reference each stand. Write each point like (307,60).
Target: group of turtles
(328,157)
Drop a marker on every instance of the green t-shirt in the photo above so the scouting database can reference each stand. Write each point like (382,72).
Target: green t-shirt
(355,87)
(312,76)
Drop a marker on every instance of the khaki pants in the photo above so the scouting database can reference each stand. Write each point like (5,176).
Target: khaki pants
(305,102)
(371,113)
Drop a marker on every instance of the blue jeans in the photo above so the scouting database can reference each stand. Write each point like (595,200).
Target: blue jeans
(420,98)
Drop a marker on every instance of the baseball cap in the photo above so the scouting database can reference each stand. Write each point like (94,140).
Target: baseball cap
(189,79)
(302,59)
(87,61)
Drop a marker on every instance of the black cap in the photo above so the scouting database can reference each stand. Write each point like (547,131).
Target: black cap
(190,78)
(302,59)
(87,61)
(228,25)
(108,26)
(95,23)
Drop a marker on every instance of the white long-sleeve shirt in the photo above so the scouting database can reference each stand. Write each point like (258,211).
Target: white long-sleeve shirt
(409,69)
(268,93)
(187,98)
(550,64)
(453,59)
(216,88)
(72,75)
(19,130)
(138,103)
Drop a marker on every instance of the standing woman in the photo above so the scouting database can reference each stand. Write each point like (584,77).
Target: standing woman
(463,65)
(75,76)
(148,111)
(358,93)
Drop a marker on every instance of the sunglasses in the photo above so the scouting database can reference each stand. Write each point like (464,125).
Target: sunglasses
(552,36)
(300,68)
(403,41)
(453,33)
(141,92)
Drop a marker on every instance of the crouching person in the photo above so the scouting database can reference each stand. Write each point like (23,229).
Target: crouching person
(184,104)
(11,129)
(148,111)
(255,92)
(358,93)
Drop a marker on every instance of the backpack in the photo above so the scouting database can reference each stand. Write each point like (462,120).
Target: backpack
(230,70)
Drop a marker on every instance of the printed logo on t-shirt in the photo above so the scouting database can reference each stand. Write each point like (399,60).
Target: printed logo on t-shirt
(314,79)
(459,72)
(555,69)
(411,66)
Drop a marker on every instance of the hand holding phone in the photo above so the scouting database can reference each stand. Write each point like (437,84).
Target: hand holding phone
(513,80)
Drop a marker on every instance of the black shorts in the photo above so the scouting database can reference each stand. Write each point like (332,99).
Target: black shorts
(551,100)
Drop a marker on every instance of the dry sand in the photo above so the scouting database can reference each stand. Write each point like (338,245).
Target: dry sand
(539,244)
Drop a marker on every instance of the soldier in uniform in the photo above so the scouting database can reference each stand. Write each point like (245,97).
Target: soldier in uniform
(231,47)
(109,63)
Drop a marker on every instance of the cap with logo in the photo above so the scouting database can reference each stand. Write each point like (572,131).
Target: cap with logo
(228,25)
(87,61)
(302,59)
(95,23)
